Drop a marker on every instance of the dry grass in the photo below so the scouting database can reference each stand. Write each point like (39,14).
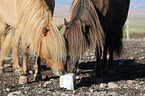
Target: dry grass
(136,21)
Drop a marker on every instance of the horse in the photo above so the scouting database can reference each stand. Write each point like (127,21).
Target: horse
(31,22)
(95,24)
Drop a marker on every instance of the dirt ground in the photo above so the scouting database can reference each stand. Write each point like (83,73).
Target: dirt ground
(128,79)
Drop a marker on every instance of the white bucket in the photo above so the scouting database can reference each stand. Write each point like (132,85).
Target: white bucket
(68,81)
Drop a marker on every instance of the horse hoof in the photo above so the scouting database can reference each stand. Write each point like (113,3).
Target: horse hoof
(18,72)
(38,77)
(2,70)
(23,80)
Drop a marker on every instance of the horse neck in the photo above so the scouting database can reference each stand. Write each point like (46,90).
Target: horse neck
(85,11)
(102,6)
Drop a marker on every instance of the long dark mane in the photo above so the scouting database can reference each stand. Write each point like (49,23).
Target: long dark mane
(85,30)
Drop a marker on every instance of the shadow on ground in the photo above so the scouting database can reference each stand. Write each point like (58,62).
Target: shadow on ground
(124,70)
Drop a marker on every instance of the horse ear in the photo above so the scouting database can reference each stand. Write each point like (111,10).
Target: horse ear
(65,22)
(60,26)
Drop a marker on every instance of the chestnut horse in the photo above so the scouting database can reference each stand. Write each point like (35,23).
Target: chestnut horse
(31,20)
(95,24)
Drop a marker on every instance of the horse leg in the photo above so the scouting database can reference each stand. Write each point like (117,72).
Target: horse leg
(98,67)
(114,45)
(110,63)
(23,78)
(16,66)
(68,67)
(104,59)
(76,67)
(37,76)
(3,28)
(2,61)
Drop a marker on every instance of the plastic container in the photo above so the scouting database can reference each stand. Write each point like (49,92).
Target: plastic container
(68,81)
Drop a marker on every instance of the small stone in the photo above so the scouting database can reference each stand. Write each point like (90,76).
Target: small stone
(26,92)
(47,83)
(4,90)
(51,79)
(80,61)
(39,85)
(141,82)
(63,94)
(11,94)
(125,87)
(77,77)
(103,85)
(135,52)
(7,65)
(27,88)
(112,85)
(17,93)
(92,54)
(136,87)
(91,90)
(8,89)
(141,50)
(92,57)
(30,72)
(129,82)
(131,58)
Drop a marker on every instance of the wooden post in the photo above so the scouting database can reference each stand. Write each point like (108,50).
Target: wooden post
(128,29)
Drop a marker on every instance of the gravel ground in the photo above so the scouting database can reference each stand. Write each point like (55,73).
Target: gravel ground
(128,79)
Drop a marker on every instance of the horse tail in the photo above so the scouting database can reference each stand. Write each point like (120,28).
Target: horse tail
(55,46)
(5,48)
(114,41)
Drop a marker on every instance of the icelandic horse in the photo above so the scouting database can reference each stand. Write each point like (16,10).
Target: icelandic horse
(95,24)
(31,21)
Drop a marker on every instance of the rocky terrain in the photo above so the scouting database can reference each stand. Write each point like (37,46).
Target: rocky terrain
(128,79)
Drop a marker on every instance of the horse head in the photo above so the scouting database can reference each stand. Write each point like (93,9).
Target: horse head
(52,48)
(76,38)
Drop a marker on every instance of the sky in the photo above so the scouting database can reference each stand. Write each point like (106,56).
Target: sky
(138,3)
(134,3)
(66,2)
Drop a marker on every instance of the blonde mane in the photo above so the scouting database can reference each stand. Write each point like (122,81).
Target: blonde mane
(32,17)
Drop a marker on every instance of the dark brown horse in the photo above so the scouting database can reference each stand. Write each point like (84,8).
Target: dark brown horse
(95,24)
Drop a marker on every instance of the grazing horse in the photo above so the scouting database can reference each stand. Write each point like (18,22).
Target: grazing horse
(95,24)
(31,21)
